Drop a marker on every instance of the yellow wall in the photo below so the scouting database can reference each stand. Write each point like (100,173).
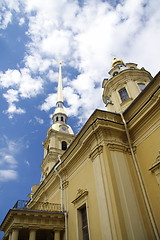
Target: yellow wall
(147,152)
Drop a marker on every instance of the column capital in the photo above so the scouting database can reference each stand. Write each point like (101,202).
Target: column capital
(96,152)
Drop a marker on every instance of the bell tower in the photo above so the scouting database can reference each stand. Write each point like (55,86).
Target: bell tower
(124,85)
(59,135)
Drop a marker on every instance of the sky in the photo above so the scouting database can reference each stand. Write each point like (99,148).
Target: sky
(85,35)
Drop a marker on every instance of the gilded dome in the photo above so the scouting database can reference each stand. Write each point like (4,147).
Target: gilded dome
(117,61)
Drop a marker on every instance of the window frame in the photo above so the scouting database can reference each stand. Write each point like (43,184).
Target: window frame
(62,145)
(122,97)
(83,222)
(79,202)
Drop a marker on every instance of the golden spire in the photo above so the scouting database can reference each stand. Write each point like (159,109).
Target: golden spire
(59,92)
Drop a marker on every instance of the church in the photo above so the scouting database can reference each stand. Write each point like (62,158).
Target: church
(104,182)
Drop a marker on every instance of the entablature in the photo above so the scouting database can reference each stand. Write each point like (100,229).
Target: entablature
(28,219)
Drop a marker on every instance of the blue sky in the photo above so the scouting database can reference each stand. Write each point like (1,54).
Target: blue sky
(85,35)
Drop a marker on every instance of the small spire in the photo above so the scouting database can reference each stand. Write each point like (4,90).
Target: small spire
(59,92)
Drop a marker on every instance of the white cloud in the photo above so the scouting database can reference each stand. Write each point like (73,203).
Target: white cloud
(73,101)
(10,78)
(8,175)
(53,76)
(5,19)
(23,86)
(57,43)
(29,87)
(39,120)
(21,21)
(84,38)
(27,163)
(50,101)
(12,96)
(12,109)
(35,62)
(7,9)
(8,162)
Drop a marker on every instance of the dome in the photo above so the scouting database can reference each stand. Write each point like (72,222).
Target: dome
(117,61)
(62,128)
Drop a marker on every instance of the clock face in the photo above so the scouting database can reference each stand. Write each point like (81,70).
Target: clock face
(64,128)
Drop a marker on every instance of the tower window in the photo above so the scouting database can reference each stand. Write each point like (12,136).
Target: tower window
(115,73)
(64,145)
(62,119)
(84,223)
(123,94)
(141,86)
(48,149)
(107,99)
(56,119)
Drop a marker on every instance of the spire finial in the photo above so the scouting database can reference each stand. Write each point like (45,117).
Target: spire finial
(59,92)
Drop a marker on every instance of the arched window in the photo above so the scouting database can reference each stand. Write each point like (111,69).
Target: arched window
(56,119)
(123,94)
(62,119)
(64,145)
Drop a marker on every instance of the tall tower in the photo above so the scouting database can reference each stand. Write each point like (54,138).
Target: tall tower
(124,85)
(59,135)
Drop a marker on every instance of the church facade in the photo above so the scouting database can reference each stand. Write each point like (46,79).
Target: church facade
(103,183)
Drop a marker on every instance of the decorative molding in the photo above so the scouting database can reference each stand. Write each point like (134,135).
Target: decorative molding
(65,184)
(117,147)
(156,168)
(96,152)
(81,195)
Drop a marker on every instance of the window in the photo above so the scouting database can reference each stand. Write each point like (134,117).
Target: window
(84,223)
(48,149)
(64,145)
(115,73)
(56,119)
(80,203)
(123,94)
(141,86)
(62,119)
(107,99)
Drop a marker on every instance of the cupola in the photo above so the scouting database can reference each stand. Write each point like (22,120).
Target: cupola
(125,83)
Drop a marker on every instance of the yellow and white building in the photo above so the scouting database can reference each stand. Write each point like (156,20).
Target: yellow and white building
(103,183)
